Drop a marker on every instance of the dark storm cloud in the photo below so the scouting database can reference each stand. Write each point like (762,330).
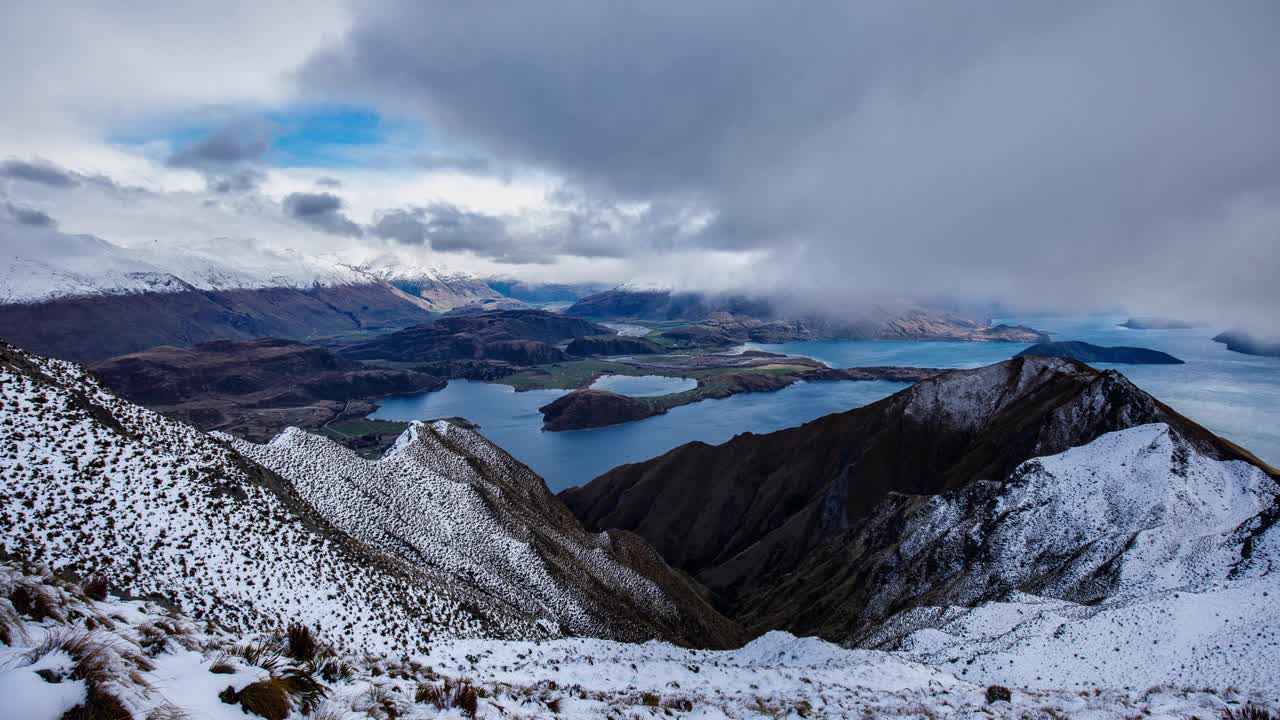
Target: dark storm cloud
(228,156)
(580,229)
(447,228)
(322,211)
(29,216)
(37,172)
(229,146)
(1036,151)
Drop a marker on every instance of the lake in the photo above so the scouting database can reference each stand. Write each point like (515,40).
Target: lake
(644,385)
(1235,395)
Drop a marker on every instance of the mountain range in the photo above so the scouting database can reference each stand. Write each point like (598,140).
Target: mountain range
(1039,482)
(1035,523)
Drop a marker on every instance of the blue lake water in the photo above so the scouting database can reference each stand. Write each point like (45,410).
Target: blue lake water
(1235,395)
(565,459)
(644,385)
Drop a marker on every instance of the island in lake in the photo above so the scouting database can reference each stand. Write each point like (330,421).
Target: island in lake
(1087,352)
(1248,343)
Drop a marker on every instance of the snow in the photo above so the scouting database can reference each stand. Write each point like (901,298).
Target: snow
(22,689)
(445,497)
(44,264)
(1133,576)
(776,675)
(96,483)
(1134,547)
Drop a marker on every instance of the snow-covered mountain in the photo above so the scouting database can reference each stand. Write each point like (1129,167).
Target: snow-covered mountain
(78,297)
(1035,522)
(44,264)
(1127,568)
(1136,557)
(432,542)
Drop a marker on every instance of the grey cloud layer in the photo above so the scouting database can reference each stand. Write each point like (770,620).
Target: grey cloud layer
(1037,151)
(228,157)
(37,172)
(322,211)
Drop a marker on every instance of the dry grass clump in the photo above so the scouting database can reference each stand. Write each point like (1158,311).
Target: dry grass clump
(264,653)
(301,643)
(460,694)
(1249,712)
(276,696)
(222,665)
(996,693)
(99,665)
(34,601)
(95,587)
(168,712)
(99,704)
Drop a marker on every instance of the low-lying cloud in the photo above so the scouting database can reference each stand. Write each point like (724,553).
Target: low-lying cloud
(1044,153)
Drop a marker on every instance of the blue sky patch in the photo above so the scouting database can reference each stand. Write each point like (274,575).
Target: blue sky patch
(321,136)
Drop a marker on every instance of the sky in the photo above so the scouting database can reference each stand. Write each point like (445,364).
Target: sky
(1077,155)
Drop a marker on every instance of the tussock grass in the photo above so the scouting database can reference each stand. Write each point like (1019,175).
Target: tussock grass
(99,704)
(1249,712)
(95,587)
(223,665)
(264,653)
(460,694)
(276,696)
(301,643)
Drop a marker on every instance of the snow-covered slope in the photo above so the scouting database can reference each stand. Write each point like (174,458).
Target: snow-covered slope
(93,483)
(445,498)
(1134,560)
(72,647)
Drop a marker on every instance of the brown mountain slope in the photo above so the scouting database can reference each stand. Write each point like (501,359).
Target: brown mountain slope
(96,327)
(522,337)
(743,515)
(253,388)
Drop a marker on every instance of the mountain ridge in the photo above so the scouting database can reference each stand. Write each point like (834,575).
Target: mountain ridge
(222,527)
(742,515)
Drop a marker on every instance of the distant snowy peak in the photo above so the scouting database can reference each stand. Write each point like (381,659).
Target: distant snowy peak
(44,264)
(645,286)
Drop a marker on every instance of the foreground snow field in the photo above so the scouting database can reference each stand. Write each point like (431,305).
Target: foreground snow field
(159,664)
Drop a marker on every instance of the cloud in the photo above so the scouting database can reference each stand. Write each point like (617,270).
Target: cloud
(229,156)
(37,172)
(29,216)
(445,227)
(473,164)
(1039,152)
(573,228)
(328,182)
(229,146)
(322,211)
